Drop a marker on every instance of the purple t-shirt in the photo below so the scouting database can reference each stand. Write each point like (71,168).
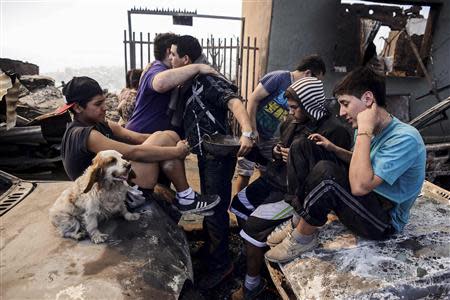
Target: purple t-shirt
(150,112)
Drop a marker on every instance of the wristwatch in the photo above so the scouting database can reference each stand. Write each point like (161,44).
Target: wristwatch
(249,134)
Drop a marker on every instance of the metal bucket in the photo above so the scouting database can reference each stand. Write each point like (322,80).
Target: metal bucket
(221,145)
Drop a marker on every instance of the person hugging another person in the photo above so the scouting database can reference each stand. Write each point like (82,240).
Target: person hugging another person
(206,101)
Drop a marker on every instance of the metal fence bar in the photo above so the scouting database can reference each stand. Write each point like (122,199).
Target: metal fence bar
(141,49)
(231,54)
(125,50)
(225,57)
(213,53)
(238,81)
(133,43)
(207,46)
(148,48)
(254,65)
(247,70)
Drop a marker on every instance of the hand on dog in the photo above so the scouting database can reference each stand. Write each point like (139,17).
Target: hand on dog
(135,197)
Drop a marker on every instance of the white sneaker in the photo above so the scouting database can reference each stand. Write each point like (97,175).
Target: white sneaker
(289,249)
(279,233)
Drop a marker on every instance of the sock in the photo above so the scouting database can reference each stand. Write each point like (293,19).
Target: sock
(251,282)
(302,239)
(186,197)
(295,219)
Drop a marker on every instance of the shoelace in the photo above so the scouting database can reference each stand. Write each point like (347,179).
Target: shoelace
(282,226)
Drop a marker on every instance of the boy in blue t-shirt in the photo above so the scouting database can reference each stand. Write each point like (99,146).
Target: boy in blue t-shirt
(267,108)
(386,173)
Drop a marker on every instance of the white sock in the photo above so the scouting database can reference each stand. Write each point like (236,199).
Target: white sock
(251,282)
(186,197)
(301,238)
(295,219)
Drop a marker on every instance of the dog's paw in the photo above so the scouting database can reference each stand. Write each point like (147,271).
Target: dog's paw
(132,217)
(99,238)
(80,235)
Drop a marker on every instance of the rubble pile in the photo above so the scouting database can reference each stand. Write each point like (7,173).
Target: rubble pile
(45,99)
(36,82)
(34,142)
(112,101)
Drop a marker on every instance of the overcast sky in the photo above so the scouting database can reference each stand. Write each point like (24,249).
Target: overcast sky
(57,34)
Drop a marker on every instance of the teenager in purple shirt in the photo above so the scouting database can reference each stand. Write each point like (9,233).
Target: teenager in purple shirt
(152,100)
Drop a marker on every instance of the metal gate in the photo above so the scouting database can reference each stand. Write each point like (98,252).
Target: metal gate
(235,60)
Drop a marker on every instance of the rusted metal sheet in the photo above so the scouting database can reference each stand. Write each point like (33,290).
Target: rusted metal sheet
(22,135)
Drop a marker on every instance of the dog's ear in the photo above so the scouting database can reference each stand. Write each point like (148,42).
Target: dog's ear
(131,176)
(93,175)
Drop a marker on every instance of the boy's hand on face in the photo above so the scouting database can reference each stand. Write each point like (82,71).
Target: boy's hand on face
(368,119)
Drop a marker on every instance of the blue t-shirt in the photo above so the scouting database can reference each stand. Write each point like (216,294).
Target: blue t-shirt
(273,109)
(398,156)
(150,112)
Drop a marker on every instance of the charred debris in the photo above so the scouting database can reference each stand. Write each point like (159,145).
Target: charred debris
(30,130)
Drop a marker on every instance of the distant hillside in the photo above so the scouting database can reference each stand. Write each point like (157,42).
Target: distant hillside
(111,78)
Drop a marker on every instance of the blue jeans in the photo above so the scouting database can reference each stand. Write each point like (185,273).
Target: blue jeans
(216,174)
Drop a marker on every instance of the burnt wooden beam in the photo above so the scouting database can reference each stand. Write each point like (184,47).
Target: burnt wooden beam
(421,120)
(428,36)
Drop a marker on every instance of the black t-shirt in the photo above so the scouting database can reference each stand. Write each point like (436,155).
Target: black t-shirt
(75,155)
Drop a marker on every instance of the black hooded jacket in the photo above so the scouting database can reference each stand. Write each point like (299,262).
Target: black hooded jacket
(205,101)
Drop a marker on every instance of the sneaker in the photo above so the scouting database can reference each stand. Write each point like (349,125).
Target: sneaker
(289,249)
(245,294)
(135,197)
(213,279)
(279,233)
(201,204)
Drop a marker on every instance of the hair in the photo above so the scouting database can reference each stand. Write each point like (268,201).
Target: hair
(288,94)
(161,43)
(81,90)
(133,77)
(188,45)
(314,63)
(127,79)
(361,80)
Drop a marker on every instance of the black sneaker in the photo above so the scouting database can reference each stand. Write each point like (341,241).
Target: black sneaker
(213,279)
(201,204)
